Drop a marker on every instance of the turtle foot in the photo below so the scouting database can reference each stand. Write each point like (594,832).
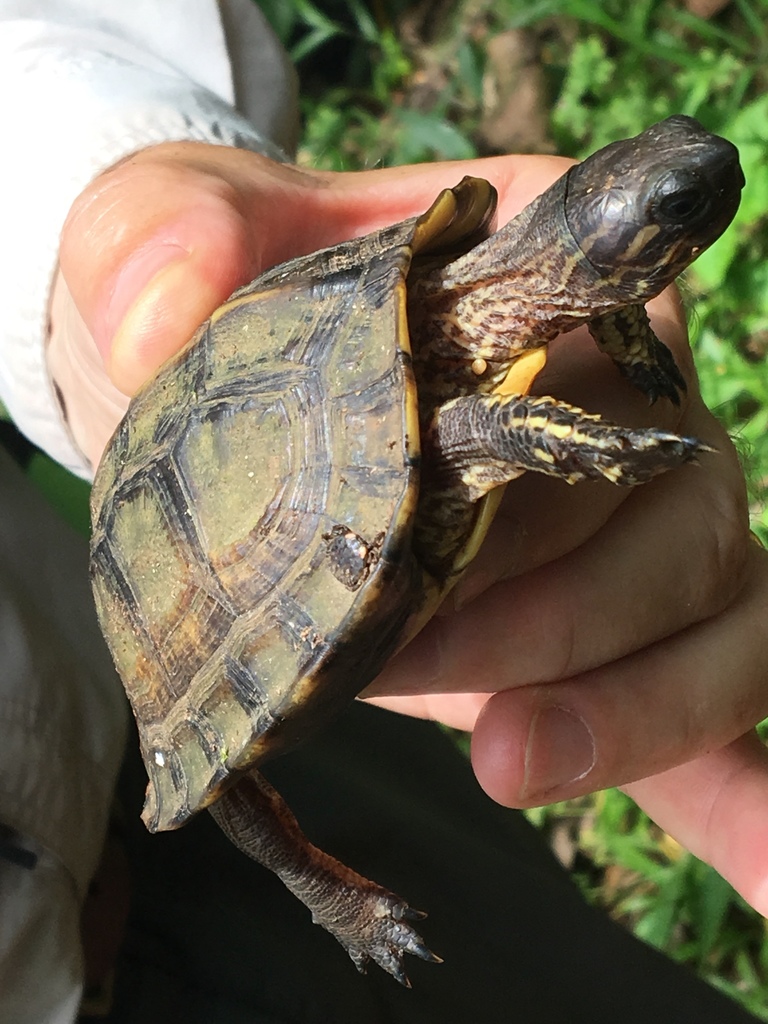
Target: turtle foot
(657,378)
(480,441)
(646,362)
(378,929)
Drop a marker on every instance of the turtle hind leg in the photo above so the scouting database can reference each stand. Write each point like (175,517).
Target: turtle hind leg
(478,442)
(627,337)
(370,922)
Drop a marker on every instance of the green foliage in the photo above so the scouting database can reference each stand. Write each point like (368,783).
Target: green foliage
(631,65)
(730,332)
(361,118)
(66,492)
(671,900)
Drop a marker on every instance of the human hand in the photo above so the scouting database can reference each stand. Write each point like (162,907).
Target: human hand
(636,612)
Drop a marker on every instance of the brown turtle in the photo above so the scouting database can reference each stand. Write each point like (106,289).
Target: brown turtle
(288,500)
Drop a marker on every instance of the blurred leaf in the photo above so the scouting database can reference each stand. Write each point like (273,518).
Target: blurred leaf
(424,137)
(67,493)
(713,897)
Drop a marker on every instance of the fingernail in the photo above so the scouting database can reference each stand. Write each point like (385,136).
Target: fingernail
(560,750)
(166,313)
(135,275)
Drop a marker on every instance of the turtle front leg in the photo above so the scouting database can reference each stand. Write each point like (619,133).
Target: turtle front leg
(370,922)
(477,442)
(627,337)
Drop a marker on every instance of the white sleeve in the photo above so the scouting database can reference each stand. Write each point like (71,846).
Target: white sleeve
(85,83)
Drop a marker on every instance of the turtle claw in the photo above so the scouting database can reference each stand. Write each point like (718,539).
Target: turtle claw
(409,914)
(392,965)
(385,936)
(660,377)
(417,948)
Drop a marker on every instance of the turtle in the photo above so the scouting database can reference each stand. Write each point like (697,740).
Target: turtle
(287,501)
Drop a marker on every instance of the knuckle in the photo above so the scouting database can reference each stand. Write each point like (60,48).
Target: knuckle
(725,539)
(566,656)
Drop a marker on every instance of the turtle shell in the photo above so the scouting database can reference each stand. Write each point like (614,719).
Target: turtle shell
(252,515)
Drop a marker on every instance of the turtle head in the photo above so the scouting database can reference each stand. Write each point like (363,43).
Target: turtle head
(643,208)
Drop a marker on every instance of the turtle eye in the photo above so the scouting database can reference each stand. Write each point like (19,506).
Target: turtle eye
(680,198)
(684,205)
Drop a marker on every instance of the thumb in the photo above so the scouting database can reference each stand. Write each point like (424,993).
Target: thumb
(147,251)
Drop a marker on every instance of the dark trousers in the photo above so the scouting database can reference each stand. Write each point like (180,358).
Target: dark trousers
(212,937)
